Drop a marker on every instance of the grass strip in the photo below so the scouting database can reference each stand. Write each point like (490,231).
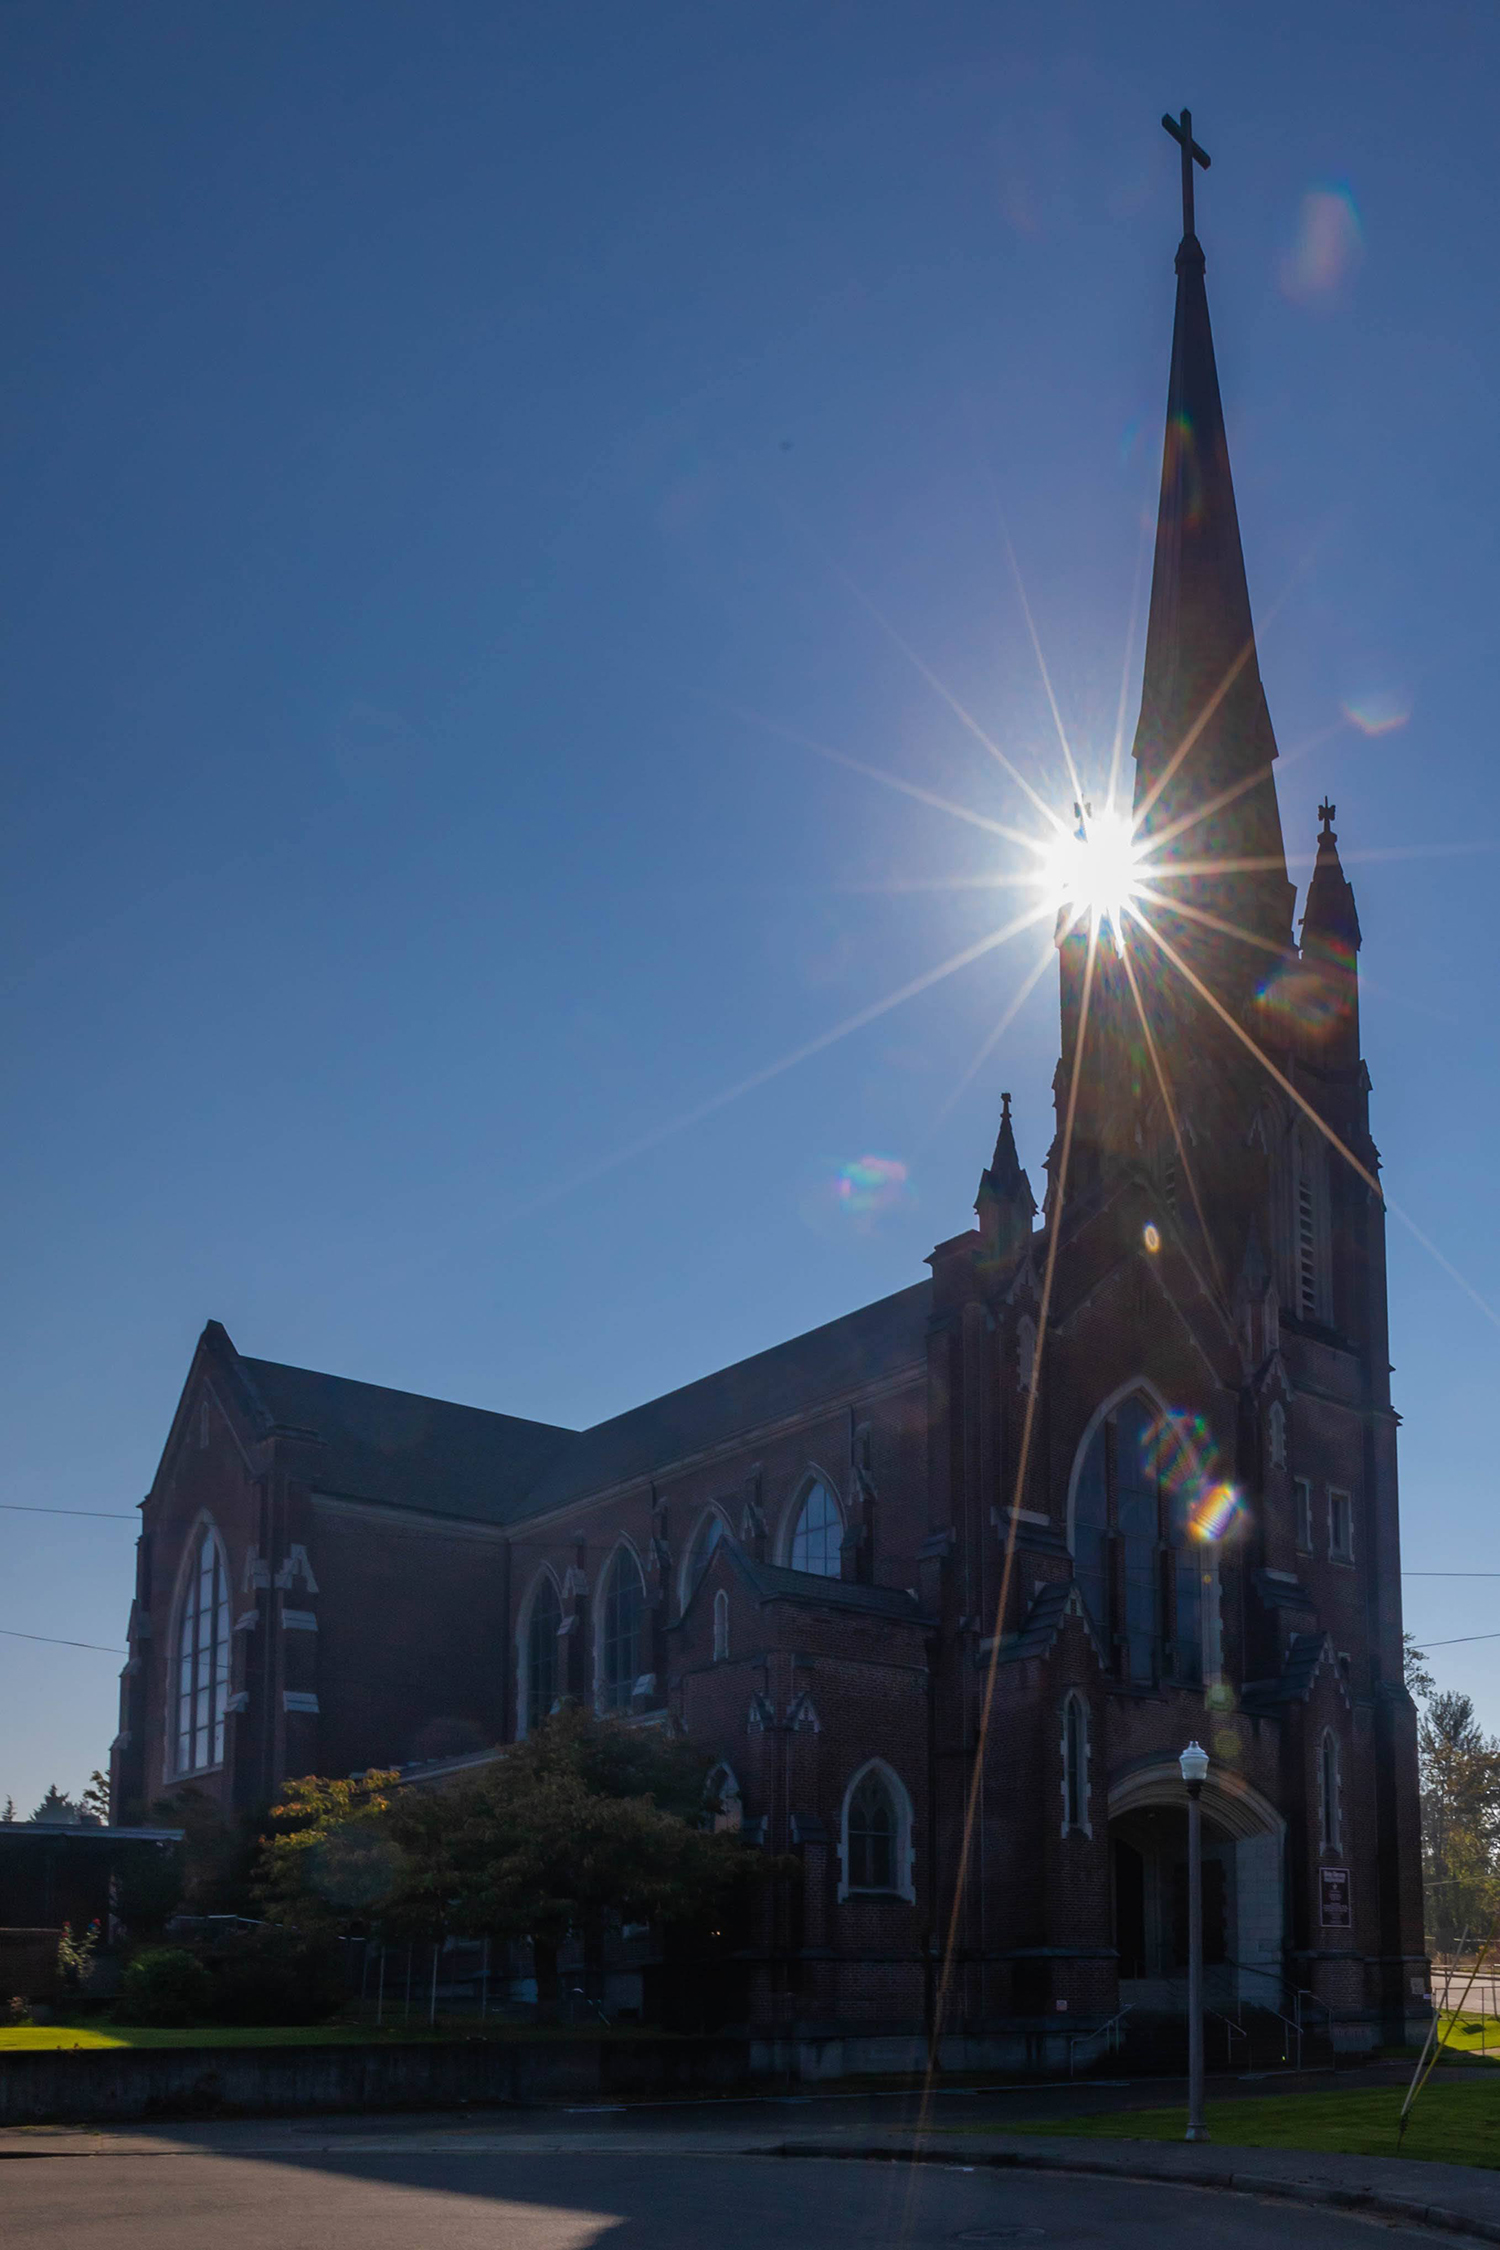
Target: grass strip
(1449,2125)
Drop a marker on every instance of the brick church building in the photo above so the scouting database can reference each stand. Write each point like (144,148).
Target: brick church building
(947,1585)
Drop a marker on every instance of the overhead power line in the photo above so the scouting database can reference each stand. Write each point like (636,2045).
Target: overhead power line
(11,1634)
(100,1515)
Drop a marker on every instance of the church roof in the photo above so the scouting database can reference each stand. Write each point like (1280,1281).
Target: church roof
(774,1583)
(414,1452)
(406,1450)
(791,1378)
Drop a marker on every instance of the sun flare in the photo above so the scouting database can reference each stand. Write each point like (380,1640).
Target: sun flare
(1093,872)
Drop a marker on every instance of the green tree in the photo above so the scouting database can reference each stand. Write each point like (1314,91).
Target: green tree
(586,1821)
(1460,1776)
(94,1803)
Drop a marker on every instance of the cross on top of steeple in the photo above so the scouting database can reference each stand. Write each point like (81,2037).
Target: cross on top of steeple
(1326,812)
(1181,130)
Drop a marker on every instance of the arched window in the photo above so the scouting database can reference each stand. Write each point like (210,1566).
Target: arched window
(1329,1810)
(721,1626)
(620,1633)
(203,1655)
(877,1834)
(816,1533)
(1134,1495)
(543,1622)
(726,1806)
(707,1536)
(1075,1762)
(1025,1351)
(1276,1424)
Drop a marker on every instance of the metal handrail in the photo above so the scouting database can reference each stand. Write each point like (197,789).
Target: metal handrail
(1232,2032)
(1108,2032)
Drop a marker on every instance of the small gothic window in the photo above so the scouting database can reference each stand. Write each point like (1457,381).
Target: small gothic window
(203,1658)
(727,1809)
(1303,1491)
(1075,1765)
(1276,1422)
(202,1424)
(1328,1794)
(819,1529)
(1340,1526)
(873,1828)
(1307,1250)
(541,1651)
(721,1625)
(620,1636)
(707,1536)
(1026,1353)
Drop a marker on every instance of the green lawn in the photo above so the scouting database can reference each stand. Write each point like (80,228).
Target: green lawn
(1449,2124)
(98,2032)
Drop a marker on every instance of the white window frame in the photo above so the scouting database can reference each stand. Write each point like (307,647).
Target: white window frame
(812,1477)
(1330,1797)
(1083,1825)
(903,1850)
(1343,1554)
(526,1718)
(221,1652)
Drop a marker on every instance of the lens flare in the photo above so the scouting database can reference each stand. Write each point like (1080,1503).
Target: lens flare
(1329,246)
(1216,1513)
(1380,711)
(868,1185)
(1093,874)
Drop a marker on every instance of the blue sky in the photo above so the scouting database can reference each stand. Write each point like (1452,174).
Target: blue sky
(442,446)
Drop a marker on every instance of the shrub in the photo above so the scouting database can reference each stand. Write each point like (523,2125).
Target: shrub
(274,1975)
(166,1985)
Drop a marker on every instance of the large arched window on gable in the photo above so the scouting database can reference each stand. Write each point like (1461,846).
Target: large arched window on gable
(876,1834)
(816,1532)
(203,1654)
(620,1632)
(540,1652)
(700,1550)
(1136,1561)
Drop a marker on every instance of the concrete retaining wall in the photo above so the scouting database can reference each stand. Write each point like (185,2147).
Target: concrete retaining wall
(93,2086)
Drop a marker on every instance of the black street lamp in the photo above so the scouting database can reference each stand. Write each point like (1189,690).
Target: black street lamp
(1193,1765)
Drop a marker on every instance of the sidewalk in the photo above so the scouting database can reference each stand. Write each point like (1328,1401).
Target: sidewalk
(1449,2197)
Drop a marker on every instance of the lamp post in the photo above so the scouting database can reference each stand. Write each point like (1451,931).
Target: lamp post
(1193,1765)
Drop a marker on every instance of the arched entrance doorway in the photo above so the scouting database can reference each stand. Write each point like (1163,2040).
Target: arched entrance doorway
(1243,1851)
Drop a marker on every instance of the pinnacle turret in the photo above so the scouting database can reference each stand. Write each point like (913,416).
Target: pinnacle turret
(1005,1203)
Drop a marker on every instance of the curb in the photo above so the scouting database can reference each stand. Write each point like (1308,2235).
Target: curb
(1377,2201)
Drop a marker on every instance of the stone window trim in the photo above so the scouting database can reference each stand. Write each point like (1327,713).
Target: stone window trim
(1330,1795)
(1340,1524)
(903,1851)
(617,1657)
(1075,1753)
(812,1479)
(725,1797)
(547,1577)
(194,1727)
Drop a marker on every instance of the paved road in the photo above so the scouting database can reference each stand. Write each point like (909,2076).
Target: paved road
(640,2199)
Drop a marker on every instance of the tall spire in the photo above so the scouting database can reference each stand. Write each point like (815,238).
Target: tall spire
(1005,1203)
(1330,949)
(1204,747)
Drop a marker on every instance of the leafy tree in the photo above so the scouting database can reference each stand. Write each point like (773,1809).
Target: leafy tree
(1460,1776)
(94,1803)
(585,1821)
(56,1810)
(9,1814)
(1418,1679)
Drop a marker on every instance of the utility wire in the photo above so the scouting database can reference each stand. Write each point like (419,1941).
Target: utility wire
(103,1515)
(11,1634)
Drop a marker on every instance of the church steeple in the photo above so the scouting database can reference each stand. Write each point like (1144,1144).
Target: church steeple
(1204,747)
(1005,1203)
(1330,947)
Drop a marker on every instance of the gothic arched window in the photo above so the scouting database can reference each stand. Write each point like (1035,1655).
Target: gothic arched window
(727,1807)
(817,1532)
(620,1632)
(203,1655)
(1075,1753)
(707,1536)
(877,1834)
(542,1625)
(1135,1558)
(1329,1809)
(721,1626)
